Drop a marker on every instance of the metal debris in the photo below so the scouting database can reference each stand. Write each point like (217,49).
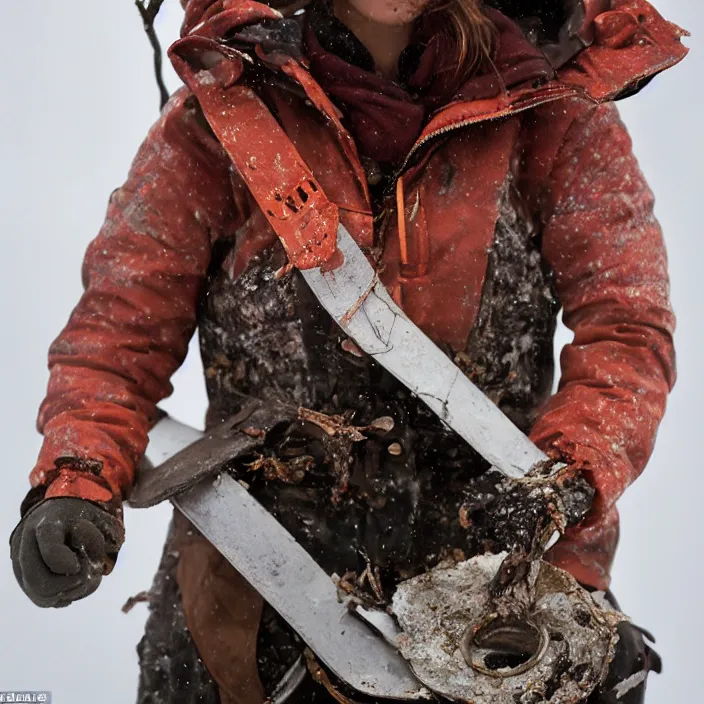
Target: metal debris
(292,471)
(336,426)
(339,426)
(547,640)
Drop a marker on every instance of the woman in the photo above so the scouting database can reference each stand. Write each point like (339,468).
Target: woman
(473,150)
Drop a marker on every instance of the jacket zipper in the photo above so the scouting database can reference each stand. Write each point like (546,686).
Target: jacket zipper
(472,121)
(398,176)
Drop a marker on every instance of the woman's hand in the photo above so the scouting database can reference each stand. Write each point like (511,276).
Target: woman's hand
(62,548)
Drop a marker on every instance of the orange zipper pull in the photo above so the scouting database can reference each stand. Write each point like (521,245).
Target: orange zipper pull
(401,214)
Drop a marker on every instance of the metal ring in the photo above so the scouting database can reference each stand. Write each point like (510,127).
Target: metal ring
(468,649)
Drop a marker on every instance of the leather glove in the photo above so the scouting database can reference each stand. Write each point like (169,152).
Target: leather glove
(62,548)
(628,671)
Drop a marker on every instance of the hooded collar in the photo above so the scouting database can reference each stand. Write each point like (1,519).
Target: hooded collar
(600,49)
(387,116)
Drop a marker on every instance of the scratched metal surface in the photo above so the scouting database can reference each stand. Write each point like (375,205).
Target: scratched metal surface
(268,557)
(360,304)
(293,583)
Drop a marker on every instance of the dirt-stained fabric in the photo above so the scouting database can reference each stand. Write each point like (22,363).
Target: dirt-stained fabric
(223,614)
(395,497)
(171,670)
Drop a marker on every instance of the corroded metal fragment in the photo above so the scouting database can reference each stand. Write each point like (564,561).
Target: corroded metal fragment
(549,640)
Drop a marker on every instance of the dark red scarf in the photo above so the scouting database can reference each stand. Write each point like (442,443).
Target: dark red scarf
(386,117)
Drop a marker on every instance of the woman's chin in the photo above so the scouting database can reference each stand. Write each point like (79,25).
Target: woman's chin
(390,12)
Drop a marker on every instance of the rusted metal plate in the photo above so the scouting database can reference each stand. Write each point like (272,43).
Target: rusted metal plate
(551,640)
(289,579)
(269,558)
(428,649)
(358,301)
(180,456)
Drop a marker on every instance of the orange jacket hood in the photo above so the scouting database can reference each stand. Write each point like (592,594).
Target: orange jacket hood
(605,49)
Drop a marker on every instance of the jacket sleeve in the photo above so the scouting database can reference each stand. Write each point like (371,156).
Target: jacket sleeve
(606,249)
(142,275)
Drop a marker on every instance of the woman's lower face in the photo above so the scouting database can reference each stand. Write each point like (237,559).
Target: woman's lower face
(391,12)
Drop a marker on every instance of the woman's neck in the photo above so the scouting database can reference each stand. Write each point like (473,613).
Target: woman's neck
(384,42)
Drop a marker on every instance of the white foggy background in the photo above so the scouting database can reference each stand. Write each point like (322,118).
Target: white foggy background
(77,99)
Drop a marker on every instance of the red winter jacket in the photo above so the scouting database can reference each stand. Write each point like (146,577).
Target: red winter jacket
(561,143)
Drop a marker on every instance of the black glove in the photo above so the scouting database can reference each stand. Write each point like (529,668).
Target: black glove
(62,548)
(628,671)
